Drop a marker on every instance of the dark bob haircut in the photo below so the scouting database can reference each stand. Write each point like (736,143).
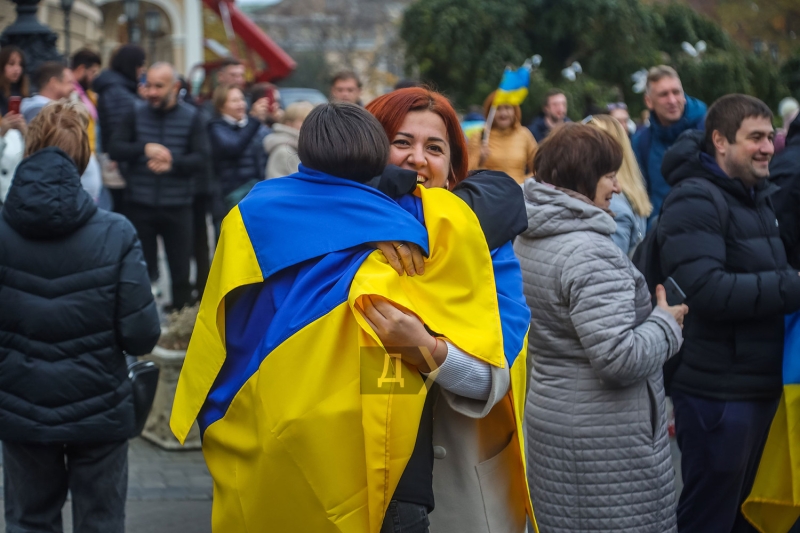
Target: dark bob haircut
(343,140)
(575,157)
(727,114)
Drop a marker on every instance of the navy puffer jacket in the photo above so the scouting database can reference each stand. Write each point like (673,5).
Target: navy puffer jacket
(238,153)
(734,272)
(75,298)
(116,97)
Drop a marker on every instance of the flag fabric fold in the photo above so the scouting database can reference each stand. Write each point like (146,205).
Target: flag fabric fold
(285,377)
(773,505)
(513,86)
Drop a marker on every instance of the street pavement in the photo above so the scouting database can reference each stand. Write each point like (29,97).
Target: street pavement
(168,491)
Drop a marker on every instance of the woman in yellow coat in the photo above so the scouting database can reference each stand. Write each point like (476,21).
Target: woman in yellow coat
(510,147)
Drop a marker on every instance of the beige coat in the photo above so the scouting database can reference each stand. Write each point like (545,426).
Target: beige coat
(476,454)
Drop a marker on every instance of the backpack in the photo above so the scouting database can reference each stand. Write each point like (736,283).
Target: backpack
(647,258)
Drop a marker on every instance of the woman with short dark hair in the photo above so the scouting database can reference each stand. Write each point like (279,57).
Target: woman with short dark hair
(597,443)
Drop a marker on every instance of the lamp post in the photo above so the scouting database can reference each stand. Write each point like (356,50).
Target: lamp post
(37,41)
(66,7)
(132,13)
(152,23)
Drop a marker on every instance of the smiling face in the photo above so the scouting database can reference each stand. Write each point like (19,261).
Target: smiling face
(235,105)
(748,158)
(606,187)
(666,99)
(504,117)
(421,145)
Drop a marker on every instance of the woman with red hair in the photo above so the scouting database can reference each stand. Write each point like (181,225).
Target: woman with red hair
(464,457)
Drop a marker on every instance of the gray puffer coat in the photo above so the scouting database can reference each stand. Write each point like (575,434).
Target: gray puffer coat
(598,449)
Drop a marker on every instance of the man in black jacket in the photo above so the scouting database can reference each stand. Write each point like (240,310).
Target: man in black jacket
(165,145)
(74,299)
(785,172)
(719,241)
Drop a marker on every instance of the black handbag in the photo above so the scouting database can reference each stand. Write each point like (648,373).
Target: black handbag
(144,380)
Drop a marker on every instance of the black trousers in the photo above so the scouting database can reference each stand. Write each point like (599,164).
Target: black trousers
(175,226)
(721,444)
(38,476)
(403,517)
(200,209)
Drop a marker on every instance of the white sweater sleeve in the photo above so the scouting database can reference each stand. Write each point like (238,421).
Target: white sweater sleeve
(464,375)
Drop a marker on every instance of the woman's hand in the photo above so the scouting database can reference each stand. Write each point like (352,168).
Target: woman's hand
(677,311)
(13,121)
(403,257)
(260,109)
(399,329)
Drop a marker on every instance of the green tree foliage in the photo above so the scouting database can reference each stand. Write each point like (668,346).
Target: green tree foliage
(462,46)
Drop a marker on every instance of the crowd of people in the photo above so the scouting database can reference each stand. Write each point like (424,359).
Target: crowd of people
(580,224)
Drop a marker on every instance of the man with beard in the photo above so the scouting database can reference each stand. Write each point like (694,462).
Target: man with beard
(85,66)
(165,145)
(719,241)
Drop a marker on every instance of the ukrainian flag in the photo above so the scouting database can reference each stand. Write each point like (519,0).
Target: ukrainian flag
(513,86)
(774,503)
(307,425)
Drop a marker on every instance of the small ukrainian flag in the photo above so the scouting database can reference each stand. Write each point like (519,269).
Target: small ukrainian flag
(513,87)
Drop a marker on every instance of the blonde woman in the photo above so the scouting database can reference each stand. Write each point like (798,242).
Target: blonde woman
(631,207)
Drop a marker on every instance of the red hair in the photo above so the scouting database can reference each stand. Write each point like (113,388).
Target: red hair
(391,110)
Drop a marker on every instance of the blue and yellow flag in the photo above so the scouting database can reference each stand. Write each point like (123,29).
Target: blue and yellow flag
(773,505)
(307,425)
(513,86)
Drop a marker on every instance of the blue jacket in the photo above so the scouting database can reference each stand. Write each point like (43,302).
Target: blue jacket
(651,143)
(631,227)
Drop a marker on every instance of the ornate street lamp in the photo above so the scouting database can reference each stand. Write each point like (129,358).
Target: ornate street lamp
(36,40)
(132,13)
(152,24)
(66,7)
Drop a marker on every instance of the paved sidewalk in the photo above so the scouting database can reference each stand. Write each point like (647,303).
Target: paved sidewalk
(167,492)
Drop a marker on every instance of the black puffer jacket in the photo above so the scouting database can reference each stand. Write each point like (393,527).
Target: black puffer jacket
(738,284)
(75,294)
(785,173)
(116,97)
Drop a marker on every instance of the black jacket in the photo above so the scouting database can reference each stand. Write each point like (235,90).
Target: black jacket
(116,97)
(738,284)
(238,153)
(75,295)
(785,172)
(181,129)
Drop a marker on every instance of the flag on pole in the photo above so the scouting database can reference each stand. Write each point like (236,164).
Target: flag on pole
(773,505)
(513,86)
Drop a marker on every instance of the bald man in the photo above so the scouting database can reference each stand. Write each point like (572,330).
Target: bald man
(164,146)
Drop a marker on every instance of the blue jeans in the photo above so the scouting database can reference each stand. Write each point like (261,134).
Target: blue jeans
(402,517)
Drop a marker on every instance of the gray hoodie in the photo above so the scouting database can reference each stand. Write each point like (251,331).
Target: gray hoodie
(281,145)
(597,443)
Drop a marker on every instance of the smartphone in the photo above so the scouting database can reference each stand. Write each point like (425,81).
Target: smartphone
(675,296)
(13,104)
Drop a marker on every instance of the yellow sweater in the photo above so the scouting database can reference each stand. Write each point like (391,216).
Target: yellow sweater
(510,151)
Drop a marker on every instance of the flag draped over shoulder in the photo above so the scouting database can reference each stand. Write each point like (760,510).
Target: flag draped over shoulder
(305,426)
(513,86)
(773,505)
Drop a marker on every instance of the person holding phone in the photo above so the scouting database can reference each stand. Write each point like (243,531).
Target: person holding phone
(597,442)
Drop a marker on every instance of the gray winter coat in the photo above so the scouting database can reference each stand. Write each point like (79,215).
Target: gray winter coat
(598,450)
